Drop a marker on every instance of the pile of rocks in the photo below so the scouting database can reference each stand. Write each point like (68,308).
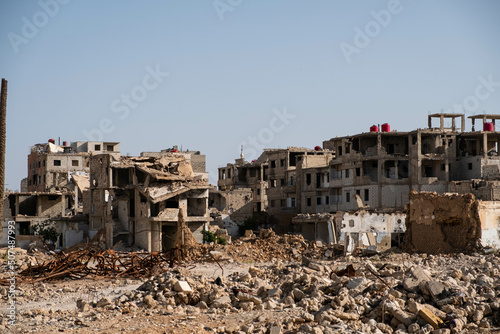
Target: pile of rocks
(418,294)
(272,246)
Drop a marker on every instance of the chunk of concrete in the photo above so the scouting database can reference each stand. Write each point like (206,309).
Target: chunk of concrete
(182,286)
(435,289)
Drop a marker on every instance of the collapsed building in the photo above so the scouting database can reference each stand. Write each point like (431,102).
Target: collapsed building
(138,200)
(31,209)
(450,222)
(371,175)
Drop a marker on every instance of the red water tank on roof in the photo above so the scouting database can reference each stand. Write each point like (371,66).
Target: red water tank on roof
(317,148)
(373,128)
(386,127)
(488,126)
(53,141)
(65,143)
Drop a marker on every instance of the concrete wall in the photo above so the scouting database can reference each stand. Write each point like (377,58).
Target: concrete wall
(489,216)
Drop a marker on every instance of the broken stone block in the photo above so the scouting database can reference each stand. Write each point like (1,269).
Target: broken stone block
(182,286)
(315,266)
(105,301)
(297,294)
(421,275)
(274,293)
(397,313)
(275,329)
(149,301)
(435,289)
(82,305)
(222,302)
(245,297)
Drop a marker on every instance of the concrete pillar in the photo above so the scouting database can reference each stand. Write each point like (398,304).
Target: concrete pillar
(379,183)
(453,123)
(485,145)
(379,143)
(463,123)
(155,236)
(429,122)
(109,233)
(441,122)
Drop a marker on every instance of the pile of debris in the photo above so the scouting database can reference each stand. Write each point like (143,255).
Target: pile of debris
(421,294)
(257,249)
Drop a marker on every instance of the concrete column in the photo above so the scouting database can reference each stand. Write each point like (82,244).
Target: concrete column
(485,145)
(379,183)
(453,123)
(429,122)
(463,123)
(63,206)
(155,236)
(379,143)
(441,122)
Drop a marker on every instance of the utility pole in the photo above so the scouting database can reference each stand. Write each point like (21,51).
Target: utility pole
(3,135)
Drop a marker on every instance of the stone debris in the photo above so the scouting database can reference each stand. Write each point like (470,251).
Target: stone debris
(387,293)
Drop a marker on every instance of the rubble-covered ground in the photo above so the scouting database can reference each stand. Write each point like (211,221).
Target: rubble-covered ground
(273,285)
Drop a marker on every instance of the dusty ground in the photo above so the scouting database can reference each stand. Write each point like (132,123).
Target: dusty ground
(292,290)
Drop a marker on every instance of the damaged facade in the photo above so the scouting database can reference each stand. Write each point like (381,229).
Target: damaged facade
(373,173)
(50,166)
(30,209)
(138,200)
(275,179)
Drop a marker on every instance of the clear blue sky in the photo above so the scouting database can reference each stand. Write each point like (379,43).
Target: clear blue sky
(231,63)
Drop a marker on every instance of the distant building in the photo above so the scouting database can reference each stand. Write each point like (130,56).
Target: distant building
(273,179)
(50,165)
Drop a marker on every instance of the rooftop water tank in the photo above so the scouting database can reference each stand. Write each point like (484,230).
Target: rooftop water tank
(488,126)
(373,128)
(386,127)
(317,148)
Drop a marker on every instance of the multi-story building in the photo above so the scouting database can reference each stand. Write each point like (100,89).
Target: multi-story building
(383,167)
(275,179)
(50,165)
(375,170)
(139,200)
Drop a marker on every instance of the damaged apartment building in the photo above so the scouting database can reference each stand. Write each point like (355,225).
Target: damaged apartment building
(56,191)
(362,182)
(138,200)
(272,180)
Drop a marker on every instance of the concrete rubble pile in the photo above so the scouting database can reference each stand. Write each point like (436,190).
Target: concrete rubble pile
(262,249)
(423,294)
